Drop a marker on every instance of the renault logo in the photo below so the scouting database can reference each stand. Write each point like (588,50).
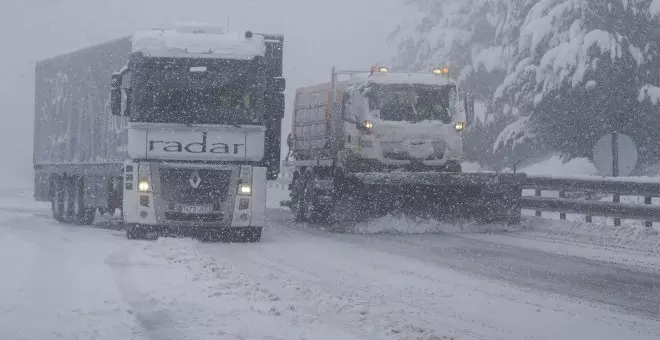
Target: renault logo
(195,180)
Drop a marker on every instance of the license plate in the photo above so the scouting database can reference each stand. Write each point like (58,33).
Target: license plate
(196,209)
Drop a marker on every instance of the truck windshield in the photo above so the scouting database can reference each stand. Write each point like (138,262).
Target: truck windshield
(414,103)
(188,93)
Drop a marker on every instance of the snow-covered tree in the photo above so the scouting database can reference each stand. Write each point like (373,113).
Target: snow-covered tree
(561,72)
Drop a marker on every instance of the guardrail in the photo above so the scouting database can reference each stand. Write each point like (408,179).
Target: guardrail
(585,190)
(589,196)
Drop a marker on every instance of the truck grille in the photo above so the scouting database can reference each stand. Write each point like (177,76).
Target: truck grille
(194,186)
(194,218)
(396,151)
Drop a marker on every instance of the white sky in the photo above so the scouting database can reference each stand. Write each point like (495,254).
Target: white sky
(318,34)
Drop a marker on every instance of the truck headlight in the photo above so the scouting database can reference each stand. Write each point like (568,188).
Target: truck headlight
(144,186)
(244,189)
(144,177)
(460,126)
(245,180)
(366,126)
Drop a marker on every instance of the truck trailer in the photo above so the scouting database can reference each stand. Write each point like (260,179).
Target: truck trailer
(382,142)
(178,128)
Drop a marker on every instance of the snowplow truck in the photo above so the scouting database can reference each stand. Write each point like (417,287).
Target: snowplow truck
(178,128)
(382,143)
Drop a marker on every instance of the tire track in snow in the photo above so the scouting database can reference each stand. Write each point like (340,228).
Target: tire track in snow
(366,310)
(623,288)
(325,272)
(158,323)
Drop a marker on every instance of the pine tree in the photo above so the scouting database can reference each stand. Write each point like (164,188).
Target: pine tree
(561,72)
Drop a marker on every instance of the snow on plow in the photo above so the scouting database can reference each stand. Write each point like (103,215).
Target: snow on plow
(486,198)
(479,197)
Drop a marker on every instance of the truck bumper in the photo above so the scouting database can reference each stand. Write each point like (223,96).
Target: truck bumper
(396,155)
(184,195)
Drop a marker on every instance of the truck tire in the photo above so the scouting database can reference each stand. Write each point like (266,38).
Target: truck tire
(138,232)
(301,205)
(453,166)
(57,199)
(309,207)
(134,232)
(82,214)
(68,188)
(252,235)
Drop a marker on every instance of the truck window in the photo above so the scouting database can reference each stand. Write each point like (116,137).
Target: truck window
(226,92)
(414,103)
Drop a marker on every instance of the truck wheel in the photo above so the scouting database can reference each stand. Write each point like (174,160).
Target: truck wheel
(310,209)
(57,199)
(134,233)
(82,214)
(453,166)
(138,232)
(68,200)
(299,206)
(252,234)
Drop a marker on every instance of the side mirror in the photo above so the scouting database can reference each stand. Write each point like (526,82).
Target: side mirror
(115,101)
(115,94)
(277,85)
(116,80)
(469,108)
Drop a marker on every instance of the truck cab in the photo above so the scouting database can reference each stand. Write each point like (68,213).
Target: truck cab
(405,120)
(203,110)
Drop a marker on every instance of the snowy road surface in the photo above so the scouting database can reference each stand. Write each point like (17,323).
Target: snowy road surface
(67,282)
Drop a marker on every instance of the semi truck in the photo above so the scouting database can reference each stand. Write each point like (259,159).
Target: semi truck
(382,142)
(179,129)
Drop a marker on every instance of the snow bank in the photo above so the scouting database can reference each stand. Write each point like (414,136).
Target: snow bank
(472,167)
(554,166)
(581,240)
(184,43)
(649,92)
(627,236)
(516,132)
(654,8)
(399,224)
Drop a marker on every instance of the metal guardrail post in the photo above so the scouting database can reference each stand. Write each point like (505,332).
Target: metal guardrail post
(617,199)
(648,224)
(615,169)
(537,193)
(562,194)
(587,197)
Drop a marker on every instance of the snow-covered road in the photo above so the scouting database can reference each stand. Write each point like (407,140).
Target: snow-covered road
(634,290)
(302,283)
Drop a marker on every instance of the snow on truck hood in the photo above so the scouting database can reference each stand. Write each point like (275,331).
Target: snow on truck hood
(179,43)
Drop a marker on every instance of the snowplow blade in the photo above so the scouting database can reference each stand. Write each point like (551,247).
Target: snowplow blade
(480,197)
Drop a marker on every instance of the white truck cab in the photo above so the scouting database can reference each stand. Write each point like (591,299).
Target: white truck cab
(198,130)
